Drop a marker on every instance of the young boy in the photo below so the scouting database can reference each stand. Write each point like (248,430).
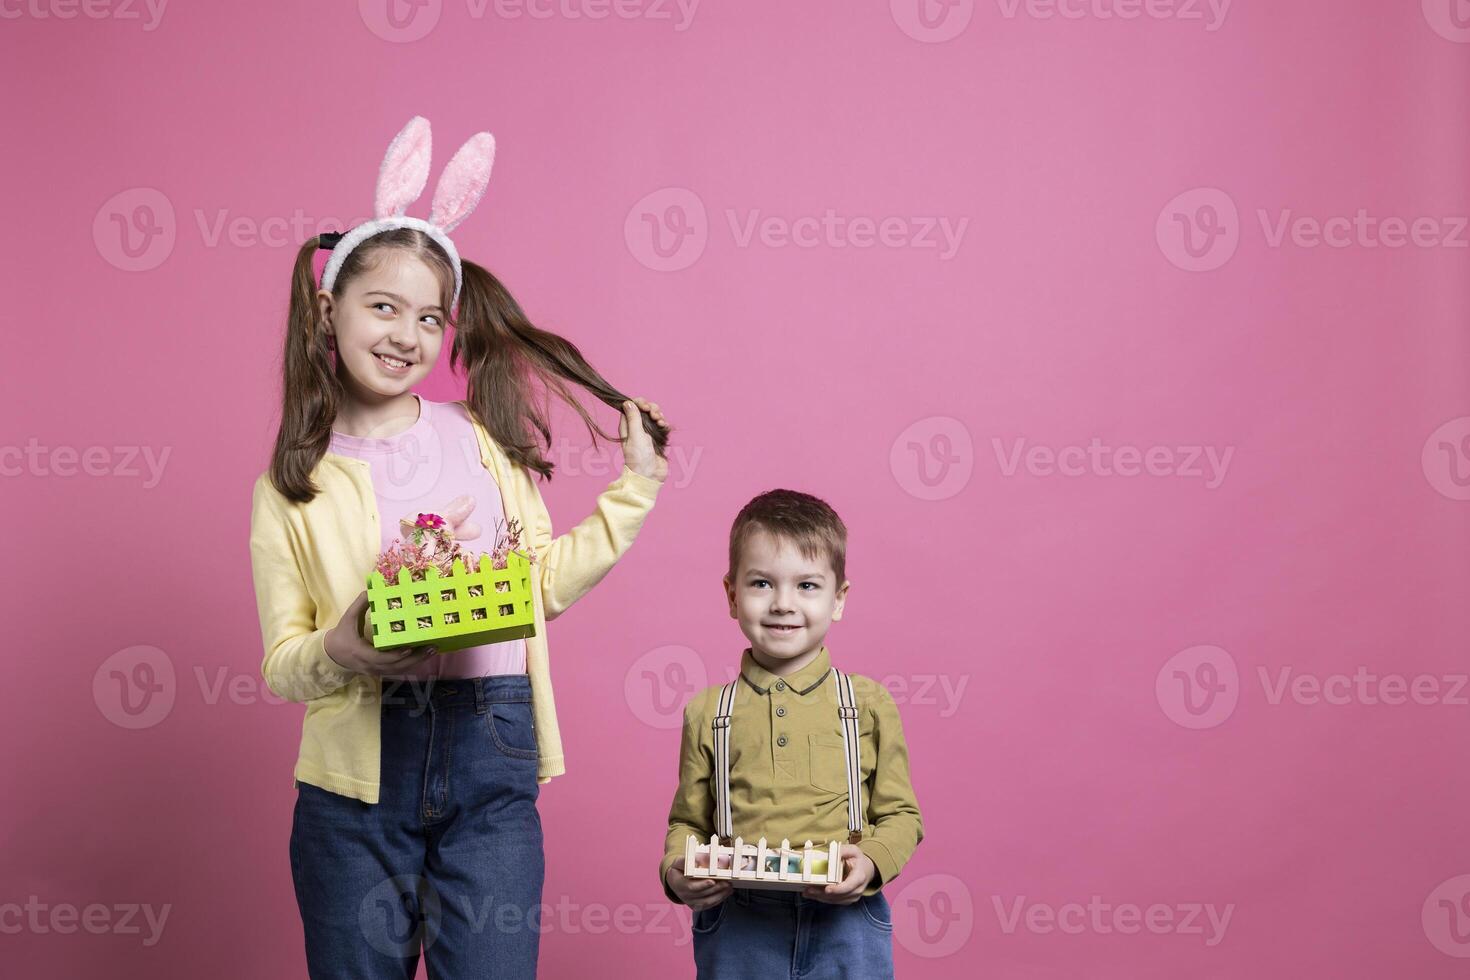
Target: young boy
(788,768)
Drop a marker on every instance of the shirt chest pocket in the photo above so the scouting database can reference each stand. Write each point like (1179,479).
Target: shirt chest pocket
(828,763)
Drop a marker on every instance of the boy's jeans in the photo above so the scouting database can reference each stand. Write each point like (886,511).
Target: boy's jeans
(763,935)
(450,857)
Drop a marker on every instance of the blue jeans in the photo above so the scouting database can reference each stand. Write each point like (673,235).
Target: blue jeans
(449,860)
(762,935)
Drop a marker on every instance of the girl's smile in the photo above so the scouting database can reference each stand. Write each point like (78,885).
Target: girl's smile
(393,366)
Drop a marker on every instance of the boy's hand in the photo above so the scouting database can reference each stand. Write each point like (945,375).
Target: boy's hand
(860,871)
(696,893)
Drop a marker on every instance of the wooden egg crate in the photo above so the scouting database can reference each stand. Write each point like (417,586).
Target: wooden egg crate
(759,865)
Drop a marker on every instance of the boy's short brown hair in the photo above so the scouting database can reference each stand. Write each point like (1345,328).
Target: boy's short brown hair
(808,522)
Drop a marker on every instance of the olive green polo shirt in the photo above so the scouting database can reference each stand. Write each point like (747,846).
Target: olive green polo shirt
(788,770)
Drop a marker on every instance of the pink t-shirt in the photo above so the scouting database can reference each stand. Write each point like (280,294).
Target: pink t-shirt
(420,470)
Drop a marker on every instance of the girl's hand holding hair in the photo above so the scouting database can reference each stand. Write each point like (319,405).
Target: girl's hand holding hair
(346,646)
(638,451)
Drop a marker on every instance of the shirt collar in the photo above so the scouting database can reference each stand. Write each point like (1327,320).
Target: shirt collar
(804,680)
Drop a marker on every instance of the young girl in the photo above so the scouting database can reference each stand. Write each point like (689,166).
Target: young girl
(415,823)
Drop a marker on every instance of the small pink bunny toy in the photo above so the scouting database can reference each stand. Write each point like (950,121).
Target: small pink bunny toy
(401,179)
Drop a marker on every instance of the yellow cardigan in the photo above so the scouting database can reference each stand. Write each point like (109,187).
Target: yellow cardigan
(309,561)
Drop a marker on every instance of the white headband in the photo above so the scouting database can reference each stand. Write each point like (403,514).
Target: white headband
(401,179)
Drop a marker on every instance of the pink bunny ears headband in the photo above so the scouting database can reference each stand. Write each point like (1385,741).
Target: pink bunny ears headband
(401,180)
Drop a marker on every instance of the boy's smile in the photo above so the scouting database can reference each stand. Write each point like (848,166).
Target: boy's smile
(785,602)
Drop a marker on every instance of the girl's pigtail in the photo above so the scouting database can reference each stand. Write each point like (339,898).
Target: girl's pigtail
(310,391)
(504,352)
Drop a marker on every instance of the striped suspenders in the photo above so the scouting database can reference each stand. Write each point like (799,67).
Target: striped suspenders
(847,713)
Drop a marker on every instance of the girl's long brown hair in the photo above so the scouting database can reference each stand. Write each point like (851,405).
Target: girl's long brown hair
(506,359)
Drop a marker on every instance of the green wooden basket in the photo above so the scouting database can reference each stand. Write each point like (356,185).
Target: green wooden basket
(462,609)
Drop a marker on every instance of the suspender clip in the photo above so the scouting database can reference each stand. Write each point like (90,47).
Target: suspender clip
(846,712)
(855,836)
(720,721)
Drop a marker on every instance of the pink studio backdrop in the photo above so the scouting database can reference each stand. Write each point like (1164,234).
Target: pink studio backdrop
(1129,340)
